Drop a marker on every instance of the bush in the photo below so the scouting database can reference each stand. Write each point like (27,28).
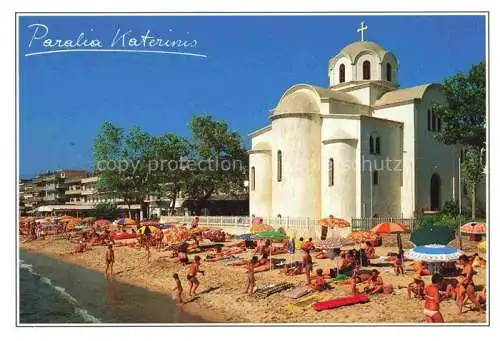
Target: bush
(450,208)
(438,220)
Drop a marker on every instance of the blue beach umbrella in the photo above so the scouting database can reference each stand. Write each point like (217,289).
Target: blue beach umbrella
(434,253)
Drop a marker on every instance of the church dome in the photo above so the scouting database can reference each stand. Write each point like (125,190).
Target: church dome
(354,49)
(298,101)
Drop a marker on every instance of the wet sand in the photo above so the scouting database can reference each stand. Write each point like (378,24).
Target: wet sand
(222,299)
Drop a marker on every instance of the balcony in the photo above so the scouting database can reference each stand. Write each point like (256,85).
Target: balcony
(89,191)
(73,191)
(75,202)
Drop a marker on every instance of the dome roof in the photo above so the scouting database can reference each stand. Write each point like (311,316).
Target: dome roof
(353,49)
(298,102)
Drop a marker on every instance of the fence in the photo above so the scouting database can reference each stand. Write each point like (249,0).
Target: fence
(364,224)
(305,227)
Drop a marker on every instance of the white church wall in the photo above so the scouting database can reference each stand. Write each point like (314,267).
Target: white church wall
(432,156)
(334,73)
(386,200)
(374,66)
(298,194)
(260,193)
(363,95)
(339,198)
(405,114)
(265,137)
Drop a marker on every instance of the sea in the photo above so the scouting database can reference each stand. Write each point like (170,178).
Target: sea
(55,292)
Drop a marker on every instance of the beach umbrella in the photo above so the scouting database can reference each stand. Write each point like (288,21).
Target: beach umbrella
(360,237)
(177,235)
(145,229)
(434,253)
(432,235)
(42,221)
(88,220)
(66,219)
(260,228)
(333,222)
(271,235)
(391,228)
(328,244)
(473,228)
(126,221)
(102,222)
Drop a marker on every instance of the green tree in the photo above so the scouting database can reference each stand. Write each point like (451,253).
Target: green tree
(169,177)
(104,210)
(221,152)
(464,121)
(122,162)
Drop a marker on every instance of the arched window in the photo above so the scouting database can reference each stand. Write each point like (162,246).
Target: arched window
(377,145)
(371,145)
(434,119)
(388,72)
(366,70)
(331,172)
(429,120)
(280,160)
(342,73)
(252,178)
(375,177)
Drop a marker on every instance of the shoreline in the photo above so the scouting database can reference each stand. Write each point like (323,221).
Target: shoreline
(221,298)
(192,308)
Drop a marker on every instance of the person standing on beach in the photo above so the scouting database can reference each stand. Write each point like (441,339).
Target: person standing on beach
(191,277)
(308,264)
(177,292)
(251,275)
(432,299)
(110,260)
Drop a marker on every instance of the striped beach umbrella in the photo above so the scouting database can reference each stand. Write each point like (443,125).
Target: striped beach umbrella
(473,228)
(434,253)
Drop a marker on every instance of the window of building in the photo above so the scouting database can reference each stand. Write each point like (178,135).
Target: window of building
(331,172)
(371,145)
(433,120)
(429,120)
(375,177)
(388,72)
(342,73)
(366,70)
(280,165)
(252,178)
(377,145)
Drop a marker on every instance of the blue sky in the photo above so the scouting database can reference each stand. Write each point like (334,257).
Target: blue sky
(251,61)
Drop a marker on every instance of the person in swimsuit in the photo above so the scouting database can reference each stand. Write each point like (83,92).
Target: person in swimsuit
(191,277)
(110,260)
(308,264)
(251,275)
(398,266)
(375,283)
(177,291)
(416,287)
(432,299)
(319,284)
(467,286)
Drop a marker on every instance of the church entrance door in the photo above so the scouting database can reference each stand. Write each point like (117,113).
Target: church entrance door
(435,191)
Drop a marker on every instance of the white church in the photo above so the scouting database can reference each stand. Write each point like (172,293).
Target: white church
(360,147)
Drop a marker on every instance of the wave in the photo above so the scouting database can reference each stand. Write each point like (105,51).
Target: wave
(87,317)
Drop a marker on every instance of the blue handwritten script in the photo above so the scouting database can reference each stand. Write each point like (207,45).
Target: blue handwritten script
(43,42)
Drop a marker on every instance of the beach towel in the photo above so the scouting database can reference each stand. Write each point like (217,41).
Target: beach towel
(298,292)
(340,302)
(272,289)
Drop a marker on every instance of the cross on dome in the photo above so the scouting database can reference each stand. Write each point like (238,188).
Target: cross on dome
(362,28)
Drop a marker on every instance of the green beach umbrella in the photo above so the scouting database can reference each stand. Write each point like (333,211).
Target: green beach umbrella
(432,235)
(271,235)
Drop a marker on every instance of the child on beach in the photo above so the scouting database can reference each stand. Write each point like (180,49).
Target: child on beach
(191,277)
(110,260)
(398,266)
(416,287)
(319,284)
(251,275)
(308,264)
(177,291)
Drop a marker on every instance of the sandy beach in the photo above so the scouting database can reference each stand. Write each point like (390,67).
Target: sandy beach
(221,296)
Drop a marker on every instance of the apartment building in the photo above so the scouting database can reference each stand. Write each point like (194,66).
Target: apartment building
(51,187)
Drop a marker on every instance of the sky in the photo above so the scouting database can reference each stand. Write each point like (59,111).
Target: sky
(250,61)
